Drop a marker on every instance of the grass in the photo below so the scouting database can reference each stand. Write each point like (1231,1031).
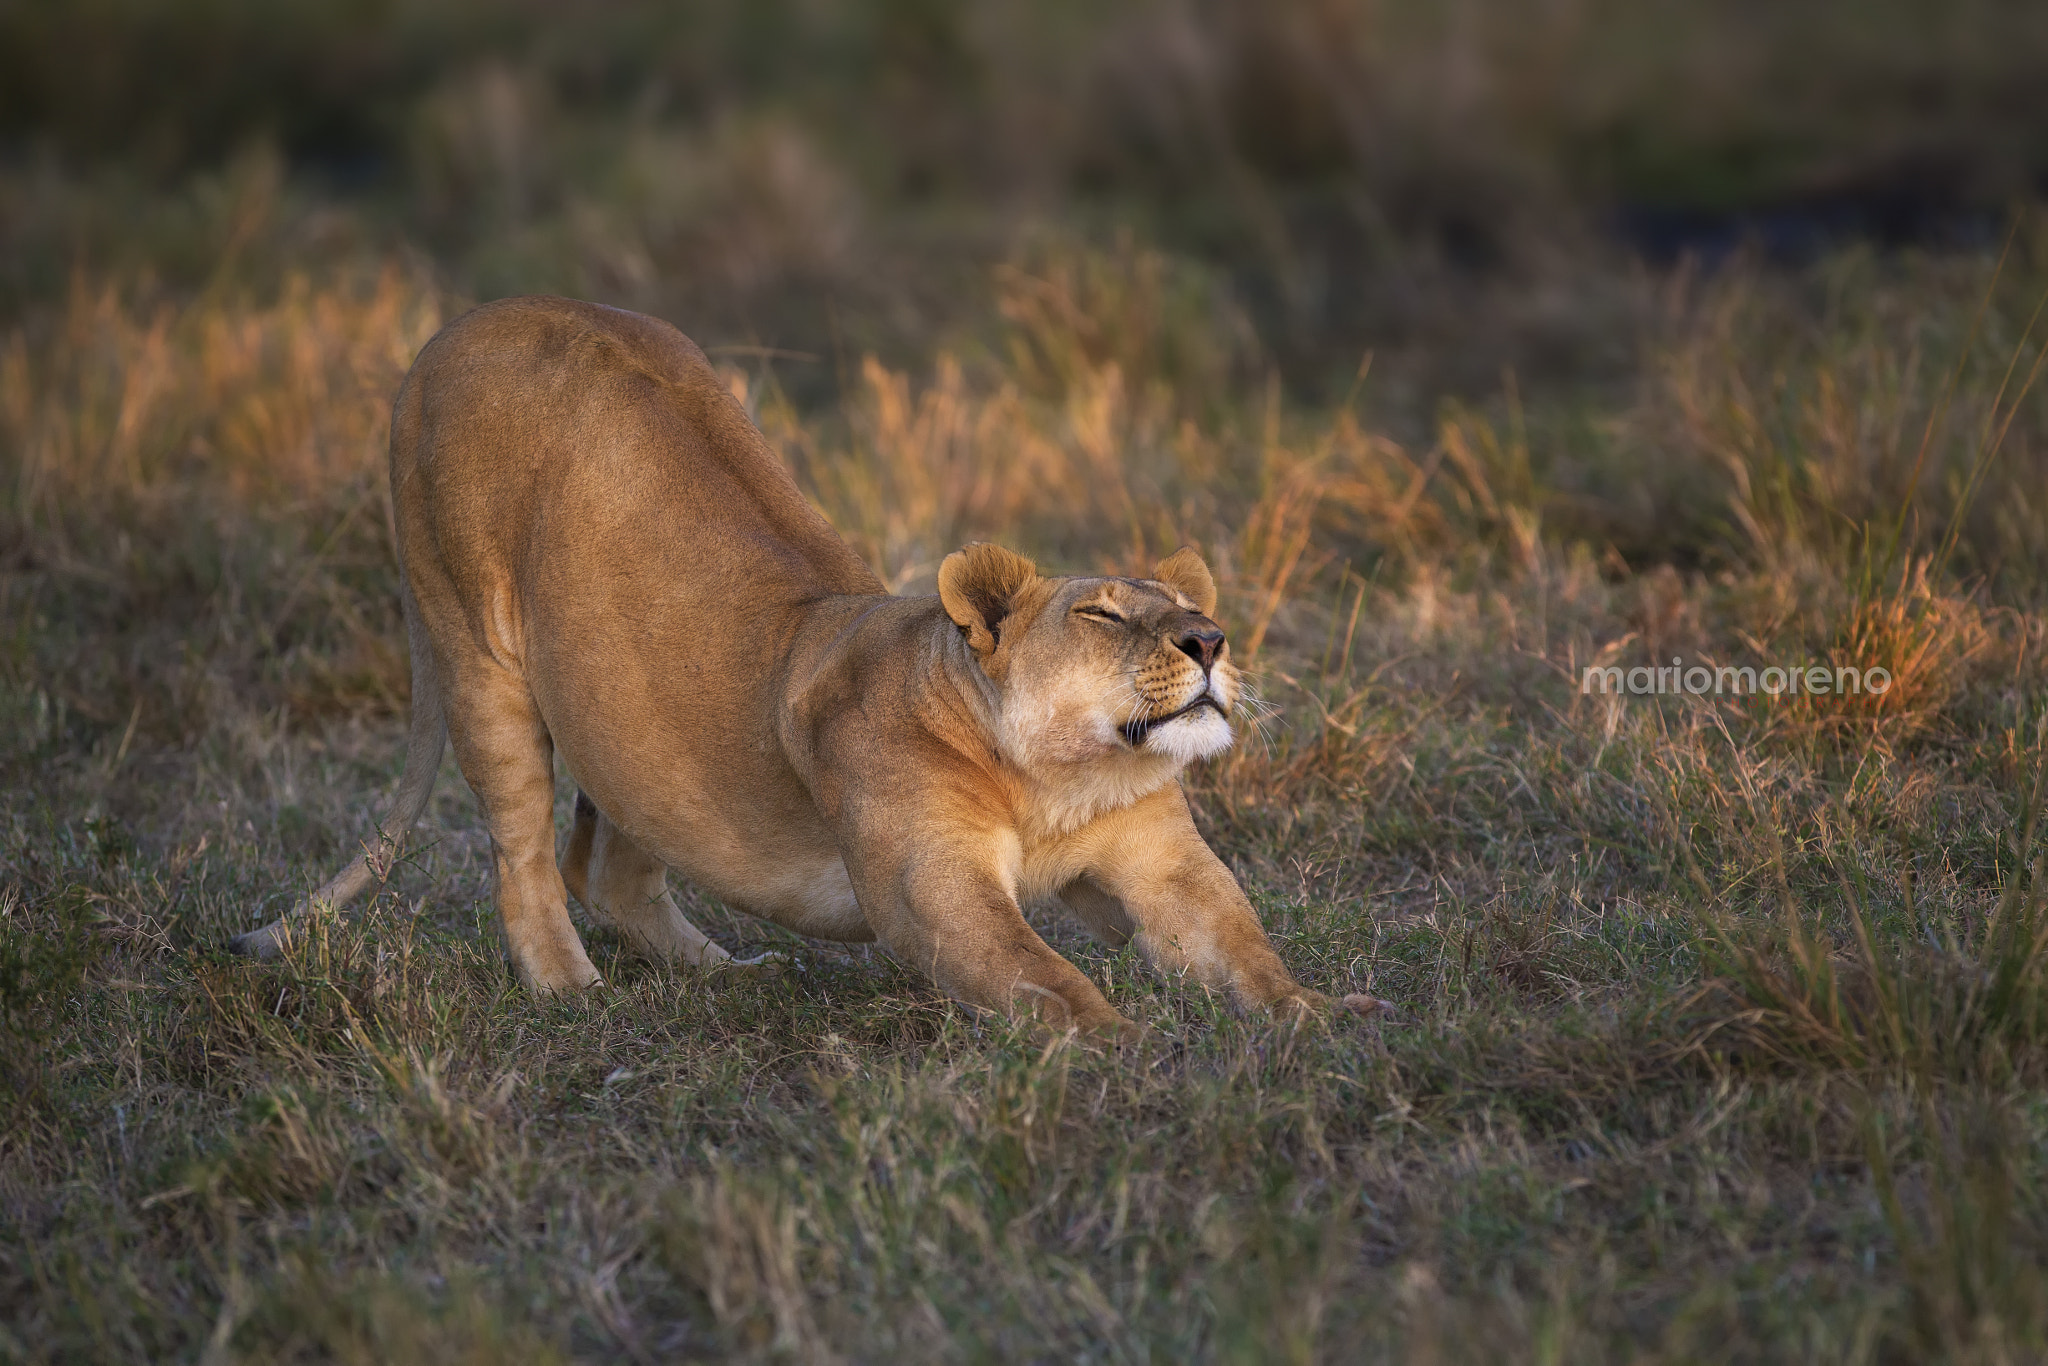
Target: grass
(1723,1021)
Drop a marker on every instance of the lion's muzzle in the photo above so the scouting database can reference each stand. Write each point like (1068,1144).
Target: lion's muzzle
(1138,728)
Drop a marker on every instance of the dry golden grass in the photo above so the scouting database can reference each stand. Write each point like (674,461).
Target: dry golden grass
(118,398)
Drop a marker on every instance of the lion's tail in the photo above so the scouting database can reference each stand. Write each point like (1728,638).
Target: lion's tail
(423,747)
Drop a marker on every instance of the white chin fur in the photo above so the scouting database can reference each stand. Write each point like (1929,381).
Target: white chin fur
(1187,738)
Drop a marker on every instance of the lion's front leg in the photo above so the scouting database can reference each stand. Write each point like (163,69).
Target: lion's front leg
(947,909)
(1183,908)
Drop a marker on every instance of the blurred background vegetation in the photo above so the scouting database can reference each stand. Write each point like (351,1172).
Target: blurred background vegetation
(1458,185)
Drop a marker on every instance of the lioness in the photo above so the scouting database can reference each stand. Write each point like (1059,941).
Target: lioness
(600,555)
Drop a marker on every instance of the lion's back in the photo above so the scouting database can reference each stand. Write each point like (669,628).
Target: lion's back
(535,419)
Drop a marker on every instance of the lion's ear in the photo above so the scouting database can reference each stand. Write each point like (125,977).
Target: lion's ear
(1184,572)
(978,584)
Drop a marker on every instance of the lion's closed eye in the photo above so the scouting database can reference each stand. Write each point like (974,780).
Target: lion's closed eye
(1099,612)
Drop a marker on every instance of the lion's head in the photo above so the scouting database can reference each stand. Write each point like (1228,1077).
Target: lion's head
(1132,672)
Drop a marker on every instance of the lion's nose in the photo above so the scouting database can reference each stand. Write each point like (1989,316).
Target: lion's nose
(1201,644)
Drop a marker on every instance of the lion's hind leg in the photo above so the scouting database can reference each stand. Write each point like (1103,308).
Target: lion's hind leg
(626,887)
(507,755)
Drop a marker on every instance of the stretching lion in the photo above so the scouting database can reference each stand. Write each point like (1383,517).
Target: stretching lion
(602,557)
